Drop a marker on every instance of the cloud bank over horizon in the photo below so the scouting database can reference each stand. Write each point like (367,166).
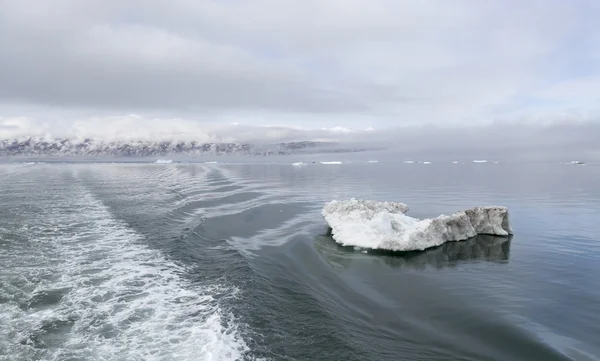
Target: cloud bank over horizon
(562,140)
(286,70)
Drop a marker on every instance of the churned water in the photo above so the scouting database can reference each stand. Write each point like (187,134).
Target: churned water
(231,262)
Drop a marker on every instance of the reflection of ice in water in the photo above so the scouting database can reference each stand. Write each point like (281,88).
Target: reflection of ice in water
(482,248)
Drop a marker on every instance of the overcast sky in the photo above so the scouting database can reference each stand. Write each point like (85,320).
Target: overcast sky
(72,65)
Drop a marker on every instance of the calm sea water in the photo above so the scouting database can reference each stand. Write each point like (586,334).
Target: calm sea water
(231,262)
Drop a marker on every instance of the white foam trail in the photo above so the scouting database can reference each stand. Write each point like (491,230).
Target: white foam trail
(122,300)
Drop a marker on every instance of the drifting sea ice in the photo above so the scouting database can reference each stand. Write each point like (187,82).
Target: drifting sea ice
(384,225)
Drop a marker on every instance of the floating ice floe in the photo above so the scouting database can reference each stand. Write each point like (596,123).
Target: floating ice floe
(384,225)
(409,162)
(163,161)
(577,162)
(480,161)
(373,161)
(426,162)
(331,162)
(298,164)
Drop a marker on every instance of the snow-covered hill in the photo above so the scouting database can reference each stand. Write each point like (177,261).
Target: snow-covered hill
(32,146)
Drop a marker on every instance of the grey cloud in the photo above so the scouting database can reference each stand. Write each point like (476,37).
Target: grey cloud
(72,59)
(506,142)
(376,58)
(190,68)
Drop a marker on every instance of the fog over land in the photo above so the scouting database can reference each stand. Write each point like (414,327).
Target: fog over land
(430,78)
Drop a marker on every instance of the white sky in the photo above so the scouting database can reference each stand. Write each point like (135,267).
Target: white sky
(196,66)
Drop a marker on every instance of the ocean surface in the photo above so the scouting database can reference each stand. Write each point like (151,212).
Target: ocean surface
(232,262)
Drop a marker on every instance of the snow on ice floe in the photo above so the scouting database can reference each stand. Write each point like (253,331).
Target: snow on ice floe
(416,162)
(384,225)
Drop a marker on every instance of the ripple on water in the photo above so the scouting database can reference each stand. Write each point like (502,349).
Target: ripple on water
(114,298)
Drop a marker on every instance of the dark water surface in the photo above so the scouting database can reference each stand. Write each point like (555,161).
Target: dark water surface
(231,262)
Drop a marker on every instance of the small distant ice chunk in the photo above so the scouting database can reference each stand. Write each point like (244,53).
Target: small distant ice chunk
(576,162)
(455,162)
(211,162)
(331,162)
(298,164)
(373,161)
(426,162)
(384,225)
(409,161)
(163,161)
(480,161)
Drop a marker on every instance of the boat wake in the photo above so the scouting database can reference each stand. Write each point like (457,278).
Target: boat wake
(81,285)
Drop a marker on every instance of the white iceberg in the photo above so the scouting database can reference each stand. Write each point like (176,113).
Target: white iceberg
(384,225)
(372,161)
(163,161)
(298,164)
(480,161)
(331,162)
